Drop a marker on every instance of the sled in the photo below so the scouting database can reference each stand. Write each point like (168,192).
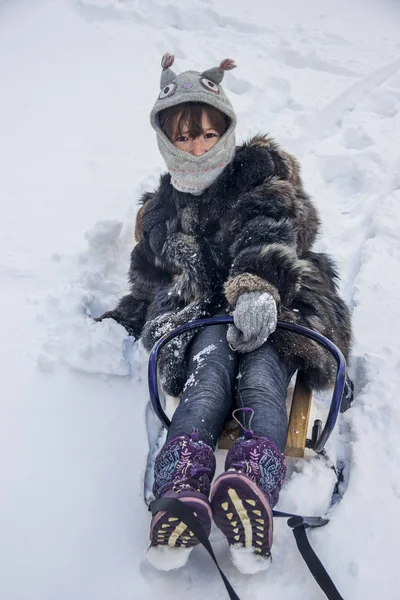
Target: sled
(299,415)
(157,424)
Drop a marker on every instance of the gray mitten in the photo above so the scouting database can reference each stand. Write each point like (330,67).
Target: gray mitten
(254,318)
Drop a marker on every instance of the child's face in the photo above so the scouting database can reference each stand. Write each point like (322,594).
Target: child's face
(200,145)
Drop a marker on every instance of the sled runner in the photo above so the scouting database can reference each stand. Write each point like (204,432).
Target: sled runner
(157,422)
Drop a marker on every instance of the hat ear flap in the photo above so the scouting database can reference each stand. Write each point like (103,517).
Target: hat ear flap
(217,73)
(167,75)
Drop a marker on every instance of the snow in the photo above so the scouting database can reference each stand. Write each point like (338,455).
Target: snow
(165,558)
(78,79)
(247,561)
(199,357)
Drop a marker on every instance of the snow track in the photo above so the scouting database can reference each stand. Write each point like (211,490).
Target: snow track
(323,122)
(76,151)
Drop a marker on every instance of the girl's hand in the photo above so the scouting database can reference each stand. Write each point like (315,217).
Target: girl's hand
(255,318)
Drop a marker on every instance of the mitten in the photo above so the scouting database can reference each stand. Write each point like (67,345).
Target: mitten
(254,319)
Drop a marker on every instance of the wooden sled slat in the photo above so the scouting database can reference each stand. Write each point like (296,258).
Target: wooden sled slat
(297,428)
(298,419)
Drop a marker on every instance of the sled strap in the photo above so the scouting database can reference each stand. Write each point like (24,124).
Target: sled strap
(183,512)
(299,526)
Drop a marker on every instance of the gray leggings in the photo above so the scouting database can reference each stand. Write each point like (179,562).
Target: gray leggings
(220,380)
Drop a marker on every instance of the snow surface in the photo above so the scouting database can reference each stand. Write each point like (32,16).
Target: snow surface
(78,79)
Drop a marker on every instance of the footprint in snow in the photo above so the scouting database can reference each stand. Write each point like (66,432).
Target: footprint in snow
(277,93)
(355,138)
(237,85)
(309,60)
(383,102)
(350,175)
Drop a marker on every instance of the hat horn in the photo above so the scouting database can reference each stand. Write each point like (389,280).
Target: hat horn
(216,74)
(167,75)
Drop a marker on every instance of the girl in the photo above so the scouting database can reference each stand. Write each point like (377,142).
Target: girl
(228,229)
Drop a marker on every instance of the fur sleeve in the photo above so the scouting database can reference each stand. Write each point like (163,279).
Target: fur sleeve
(317,306)
(273,227)
(273,223)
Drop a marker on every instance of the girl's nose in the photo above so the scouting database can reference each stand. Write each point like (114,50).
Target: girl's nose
(198,147)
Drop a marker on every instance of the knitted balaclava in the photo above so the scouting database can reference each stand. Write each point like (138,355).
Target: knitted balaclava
(193,174)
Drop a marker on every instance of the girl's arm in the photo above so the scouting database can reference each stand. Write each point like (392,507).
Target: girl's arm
(273,224)
(273,231)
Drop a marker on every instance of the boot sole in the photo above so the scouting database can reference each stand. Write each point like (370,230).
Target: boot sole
(168,530)
(242,512)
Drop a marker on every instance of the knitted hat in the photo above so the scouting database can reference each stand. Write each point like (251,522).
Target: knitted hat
(193,174)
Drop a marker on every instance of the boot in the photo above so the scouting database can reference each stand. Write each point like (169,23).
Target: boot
(183,469)
(242,499)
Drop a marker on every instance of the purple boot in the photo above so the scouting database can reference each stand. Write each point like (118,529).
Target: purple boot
(242,499)
(183,469)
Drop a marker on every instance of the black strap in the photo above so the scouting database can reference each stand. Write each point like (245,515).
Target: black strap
(298,524)
(185,513)
(313,563)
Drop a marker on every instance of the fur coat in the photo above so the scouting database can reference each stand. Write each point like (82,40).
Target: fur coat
(252,229)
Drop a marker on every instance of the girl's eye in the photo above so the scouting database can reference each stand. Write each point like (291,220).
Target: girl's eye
(167,91)
(210,135)
(181,138)
(209,85)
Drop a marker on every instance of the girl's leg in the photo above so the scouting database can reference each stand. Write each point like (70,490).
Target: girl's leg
(185,465)
(255,465)
(262,386)
(209,392)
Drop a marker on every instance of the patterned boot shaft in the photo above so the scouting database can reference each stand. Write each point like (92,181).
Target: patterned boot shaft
(183,464)
(261,460)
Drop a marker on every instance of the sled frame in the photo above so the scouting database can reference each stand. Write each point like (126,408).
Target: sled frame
(301,405)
